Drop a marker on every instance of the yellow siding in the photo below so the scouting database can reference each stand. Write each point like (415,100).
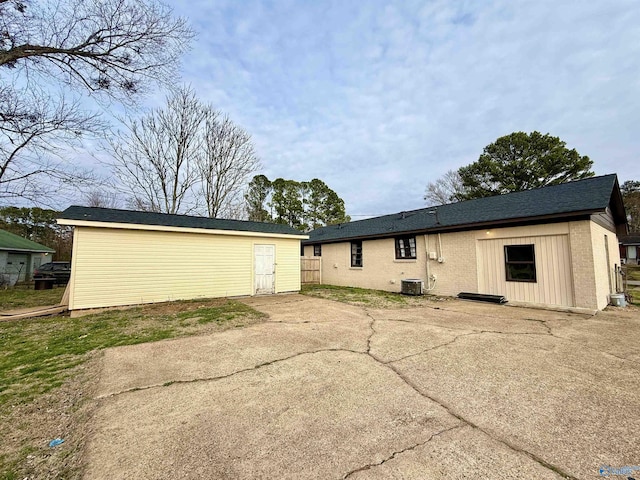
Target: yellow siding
(114,267)
(287,266)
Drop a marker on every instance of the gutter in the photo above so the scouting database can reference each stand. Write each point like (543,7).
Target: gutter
(520,221)
(26,250)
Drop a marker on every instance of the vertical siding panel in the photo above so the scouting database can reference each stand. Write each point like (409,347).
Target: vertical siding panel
(544,269)
(552,290)
(497,277)
(553,270)
(545,275)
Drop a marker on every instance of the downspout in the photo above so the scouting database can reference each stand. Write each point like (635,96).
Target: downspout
(426,251)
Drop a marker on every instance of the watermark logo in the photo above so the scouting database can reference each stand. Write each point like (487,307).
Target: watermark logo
(608,470)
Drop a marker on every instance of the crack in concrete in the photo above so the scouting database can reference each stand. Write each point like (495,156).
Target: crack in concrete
(228,375)
(549,332)
(399,452)
(464,421)
(373,331)
(452,412)
(449,409)
(468,328)
(542,322)
(434,325)
(432,348)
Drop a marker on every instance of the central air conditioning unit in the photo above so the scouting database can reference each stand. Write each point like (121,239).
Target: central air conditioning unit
(412,286)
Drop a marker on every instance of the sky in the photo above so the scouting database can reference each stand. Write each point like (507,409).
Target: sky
(377,99)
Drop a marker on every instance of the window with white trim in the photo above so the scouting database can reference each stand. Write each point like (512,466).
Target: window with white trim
(405,247)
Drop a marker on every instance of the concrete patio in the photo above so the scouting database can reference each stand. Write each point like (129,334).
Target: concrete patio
(327,390)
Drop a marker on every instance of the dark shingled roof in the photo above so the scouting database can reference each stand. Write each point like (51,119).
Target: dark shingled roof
(631,239)
(578,198)
(111,215)
(15,243)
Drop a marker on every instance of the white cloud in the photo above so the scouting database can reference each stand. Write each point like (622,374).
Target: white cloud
(379,98)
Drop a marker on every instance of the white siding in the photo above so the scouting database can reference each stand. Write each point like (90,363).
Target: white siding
(114,267)
(553,286)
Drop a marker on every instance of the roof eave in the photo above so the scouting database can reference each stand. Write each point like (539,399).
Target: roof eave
(166,228)
(27,250)
(467,226)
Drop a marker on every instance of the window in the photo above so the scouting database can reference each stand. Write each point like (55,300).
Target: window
(317,250)
(356,254)
(520,261)
(405,247)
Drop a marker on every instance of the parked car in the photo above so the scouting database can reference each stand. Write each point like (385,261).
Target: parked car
(60,271)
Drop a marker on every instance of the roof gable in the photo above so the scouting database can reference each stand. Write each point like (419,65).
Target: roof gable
(581,197)
(12,242)
(112,215)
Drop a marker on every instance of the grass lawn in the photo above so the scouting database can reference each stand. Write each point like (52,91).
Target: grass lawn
(25,297)
(365,297)
(39,356)
(632,272)
(635,295)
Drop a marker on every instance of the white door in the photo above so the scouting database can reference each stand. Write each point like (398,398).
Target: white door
(265,269)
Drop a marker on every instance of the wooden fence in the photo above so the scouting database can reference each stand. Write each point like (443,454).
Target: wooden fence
(310,270)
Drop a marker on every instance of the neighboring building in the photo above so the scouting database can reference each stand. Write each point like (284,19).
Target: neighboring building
(552,246)
(19,257)
(630,248)
(123,257)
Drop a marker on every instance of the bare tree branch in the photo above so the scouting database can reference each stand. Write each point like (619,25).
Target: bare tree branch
(36,132)
(102,198)
(225,168)
(110,46)
(184,154)
(156,157)
(111,49)
(446,189)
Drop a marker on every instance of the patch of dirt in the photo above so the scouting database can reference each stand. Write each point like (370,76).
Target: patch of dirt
(62,413)
(171,308)
(379,301)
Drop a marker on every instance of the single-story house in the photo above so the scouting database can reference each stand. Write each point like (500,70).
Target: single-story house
(19,257)
(124,257)
(630,248)
(552,246)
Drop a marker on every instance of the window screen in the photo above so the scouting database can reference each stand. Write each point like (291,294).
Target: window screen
(520,262)
(405,247)
(356,254)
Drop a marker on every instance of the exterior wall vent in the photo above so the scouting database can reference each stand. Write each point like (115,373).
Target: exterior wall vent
(412,286)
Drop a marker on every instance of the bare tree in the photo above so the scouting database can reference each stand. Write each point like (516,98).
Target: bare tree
(109,46)
(102,198)
(446,189)
(36,132)
(51,52)
(228,161)
(156,158)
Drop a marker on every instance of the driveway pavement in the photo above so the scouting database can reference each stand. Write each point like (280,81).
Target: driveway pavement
(326,390)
